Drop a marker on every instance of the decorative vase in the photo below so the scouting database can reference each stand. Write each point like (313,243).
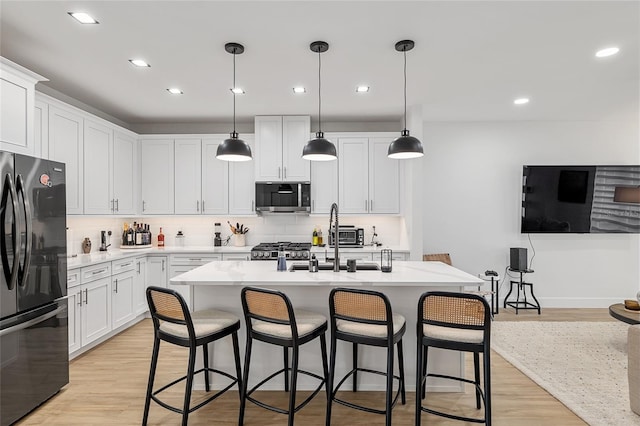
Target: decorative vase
(238,240)
(86,245)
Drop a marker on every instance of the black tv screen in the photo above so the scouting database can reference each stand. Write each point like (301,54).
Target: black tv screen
(580,199)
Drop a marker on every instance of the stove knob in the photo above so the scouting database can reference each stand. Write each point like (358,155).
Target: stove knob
(254,254)
(298,254)
(265,254)
(305,254)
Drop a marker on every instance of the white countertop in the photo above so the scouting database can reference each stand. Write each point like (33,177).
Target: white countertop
(413,274)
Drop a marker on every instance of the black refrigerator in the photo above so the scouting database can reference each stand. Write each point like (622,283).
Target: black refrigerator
(34,354)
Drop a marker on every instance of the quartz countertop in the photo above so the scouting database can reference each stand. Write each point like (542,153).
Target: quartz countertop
(405,273)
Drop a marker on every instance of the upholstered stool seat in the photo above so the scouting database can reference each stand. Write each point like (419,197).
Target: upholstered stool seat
(173,323)
(306,322)
(452,334)
(370,330)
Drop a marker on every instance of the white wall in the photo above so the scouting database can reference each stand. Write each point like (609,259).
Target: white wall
(471,208)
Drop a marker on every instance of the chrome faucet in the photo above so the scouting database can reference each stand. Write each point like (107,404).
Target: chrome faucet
(336,239)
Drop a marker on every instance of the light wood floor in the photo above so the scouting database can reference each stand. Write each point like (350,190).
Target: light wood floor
(108,384)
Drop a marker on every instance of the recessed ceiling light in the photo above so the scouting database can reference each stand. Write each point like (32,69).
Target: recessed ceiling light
(238,91)
(362,89)
(299,90)
(174,91)
(83,18)
(521,101)
(603,53)
(139,63)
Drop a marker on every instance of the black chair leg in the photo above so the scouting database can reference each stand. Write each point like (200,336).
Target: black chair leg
(245,379)
(332,369)
(355,367)
(389,393)
(236,356)
(205,359)
(187,390)
(152,376)
(425,355)
(286,368)
(403,396)
(419,379)
(325,366)
(294,380)
(486,359)
(476,370)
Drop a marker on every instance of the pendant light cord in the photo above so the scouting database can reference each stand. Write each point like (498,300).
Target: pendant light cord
(319,93)
(405,87)
(233,91)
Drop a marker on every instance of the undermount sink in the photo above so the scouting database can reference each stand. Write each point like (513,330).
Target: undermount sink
(329,267)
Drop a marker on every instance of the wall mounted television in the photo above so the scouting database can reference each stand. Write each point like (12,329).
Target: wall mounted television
(580,199)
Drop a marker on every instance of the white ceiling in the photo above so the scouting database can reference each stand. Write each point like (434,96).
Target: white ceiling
(470,61)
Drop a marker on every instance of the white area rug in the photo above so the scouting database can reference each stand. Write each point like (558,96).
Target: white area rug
(582,364)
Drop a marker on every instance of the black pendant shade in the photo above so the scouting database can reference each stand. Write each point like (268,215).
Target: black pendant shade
(319,149)
(234,149)
(405,146)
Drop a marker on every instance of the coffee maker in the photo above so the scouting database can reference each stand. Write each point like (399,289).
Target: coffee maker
(217,241)
(103,240)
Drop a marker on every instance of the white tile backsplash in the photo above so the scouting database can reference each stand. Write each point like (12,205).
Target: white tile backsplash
(199,230)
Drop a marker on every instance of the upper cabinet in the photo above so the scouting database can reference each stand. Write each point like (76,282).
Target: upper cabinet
(242,188)
(156,176)
(215,178)
(324,186)
(124,167)
(279,141)
(369,180)
(17,107)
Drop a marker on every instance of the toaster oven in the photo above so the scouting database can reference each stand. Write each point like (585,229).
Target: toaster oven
(348,236)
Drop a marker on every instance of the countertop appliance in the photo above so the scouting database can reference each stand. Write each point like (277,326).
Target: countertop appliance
(348,236)
(283,197)
(269,251)
(34,351)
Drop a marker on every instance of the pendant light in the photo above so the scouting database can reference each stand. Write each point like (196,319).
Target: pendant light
(319,149)
(405,146)
(234,149)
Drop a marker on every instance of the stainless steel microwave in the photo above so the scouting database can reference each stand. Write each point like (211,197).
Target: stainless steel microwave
(348,236)
(283,197)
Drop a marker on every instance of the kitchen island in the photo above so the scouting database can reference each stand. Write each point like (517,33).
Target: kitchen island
(218,285)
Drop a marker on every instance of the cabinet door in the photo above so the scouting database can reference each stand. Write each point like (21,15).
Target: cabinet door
(184,290)
(122,309)
(66,146)
(354,176)
(236,256)
(324,185)
(96,310)
(98,145)
(188,176)
(41,129)
(384,178)
(215,179)
(16,113)
(140,286)
(242,189)
(156,176)
(296,130)
(156,271)
(124,160)
(268,149)
(74,299)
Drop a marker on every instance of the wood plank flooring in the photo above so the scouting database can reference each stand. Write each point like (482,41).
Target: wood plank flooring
(108,384)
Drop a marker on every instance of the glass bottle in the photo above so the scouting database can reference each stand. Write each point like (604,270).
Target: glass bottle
(314,240)
(320,241)
(160,238)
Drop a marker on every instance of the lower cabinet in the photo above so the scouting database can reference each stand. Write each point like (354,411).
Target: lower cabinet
(236,256)
(156,271)
(122,289)
(140,286)
(95,310)
(181,263)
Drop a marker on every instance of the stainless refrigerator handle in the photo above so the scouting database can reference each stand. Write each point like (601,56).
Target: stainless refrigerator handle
(12,276)
(24,273)
(32,322)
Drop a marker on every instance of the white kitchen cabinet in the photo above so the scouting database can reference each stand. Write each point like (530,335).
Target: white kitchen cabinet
(98,146)
(66,136)
(140,286)
(96,310)
(237,256)
(324,186)
(215,179)
(156,176)
(384,178)
(123,175)
(122,304)
(41,129)
(279,144)
(17,107)
(188,176)
(74,300)
(369,180)
(157,271)
(181,263)
(242,191)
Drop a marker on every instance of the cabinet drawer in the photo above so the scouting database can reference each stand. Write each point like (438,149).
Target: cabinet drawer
(73,278)
(193,259)
(236,256)
(92,273)
(123,265)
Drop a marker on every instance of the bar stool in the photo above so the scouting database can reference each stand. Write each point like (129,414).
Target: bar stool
(459,322)
(365,317)
(270,318)
(173,323)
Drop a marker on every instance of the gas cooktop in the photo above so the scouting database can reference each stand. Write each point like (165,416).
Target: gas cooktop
(269,251)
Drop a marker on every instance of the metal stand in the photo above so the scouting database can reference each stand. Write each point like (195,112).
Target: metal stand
(521,286)
(495,297)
